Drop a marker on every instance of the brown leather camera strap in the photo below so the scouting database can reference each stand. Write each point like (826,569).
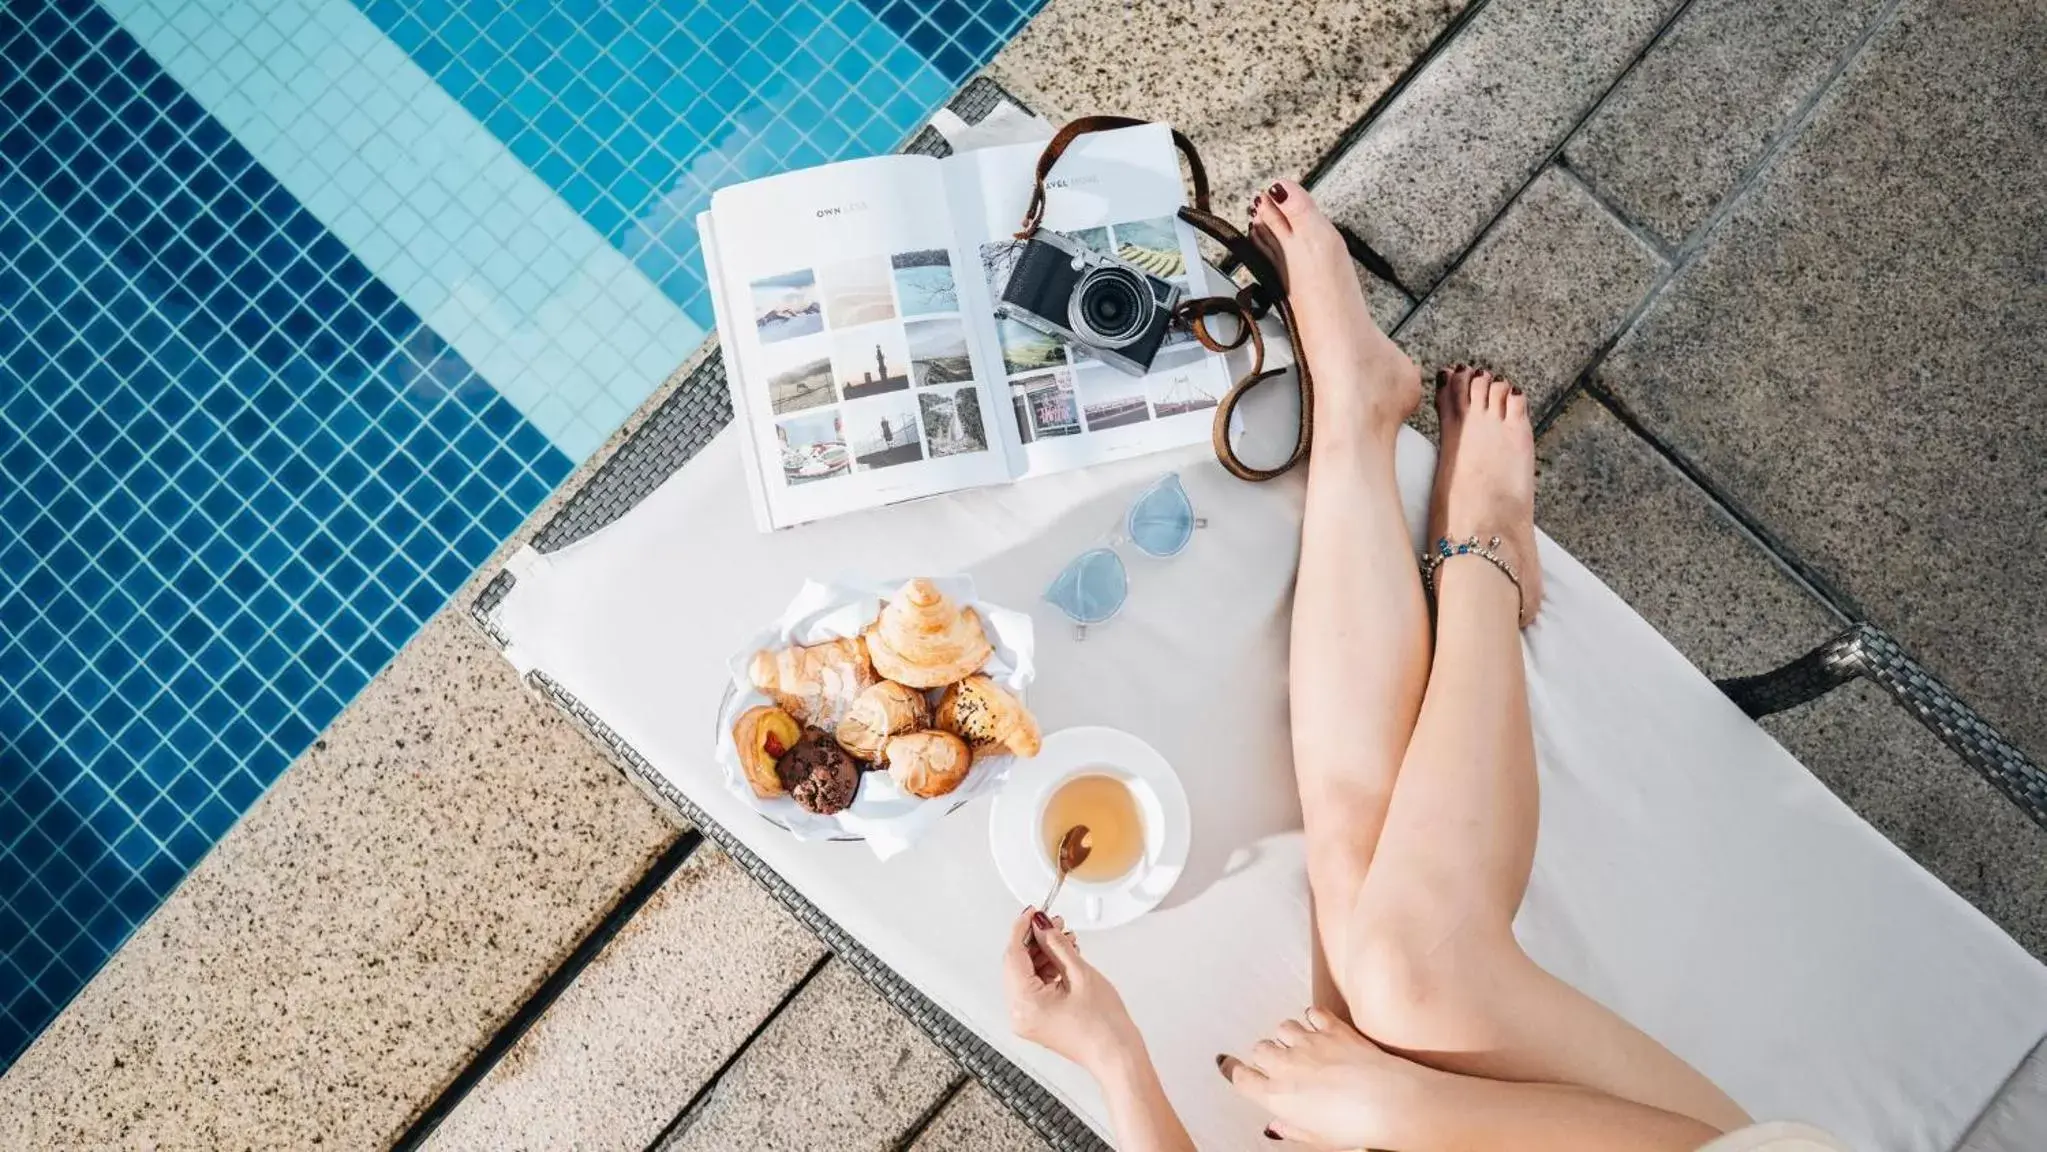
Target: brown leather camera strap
(1266,292)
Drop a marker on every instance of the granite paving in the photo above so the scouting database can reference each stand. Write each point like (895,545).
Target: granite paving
(366,926)
(1854,357)
(1447,155)
(1676,557)
(838,1070)
(1542,293)
(707,960)
(1682,127)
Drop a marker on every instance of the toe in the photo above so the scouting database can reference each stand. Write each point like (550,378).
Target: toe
(1292,200)
(1265,212)
(1517,404)
(1496,396)
(1453,387)
(1480,389)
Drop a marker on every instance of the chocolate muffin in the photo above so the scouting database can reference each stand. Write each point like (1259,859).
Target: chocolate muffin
(819,774)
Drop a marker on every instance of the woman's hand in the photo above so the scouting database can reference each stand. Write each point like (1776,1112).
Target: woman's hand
(1060,1001)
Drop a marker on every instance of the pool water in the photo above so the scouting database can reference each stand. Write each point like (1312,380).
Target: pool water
(304,306)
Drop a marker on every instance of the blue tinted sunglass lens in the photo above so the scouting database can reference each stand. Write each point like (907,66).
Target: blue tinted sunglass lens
(1162,520)
(1091,588)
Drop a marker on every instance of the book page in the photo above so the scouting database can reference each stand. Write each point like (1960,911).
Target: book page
(1116,191)
(842,327)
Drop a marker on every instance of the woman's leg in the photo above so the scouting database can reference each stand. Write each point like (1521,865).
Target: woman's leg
(1360,649)
(1434,971)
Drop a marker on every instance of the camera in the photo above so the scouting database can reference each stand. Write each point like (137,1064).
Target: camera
(1106,304)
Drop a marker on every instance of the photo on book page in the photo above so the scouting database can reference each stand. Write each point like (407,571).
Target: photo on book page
(1109,398)
(1025,349)
(1045,405)
(1153,245)
(785,306)
(858,291)
(883,432)
(952,421)
(924,283)
(871,361)
(799,374)
(938,352)
(813,447)
(1179,382)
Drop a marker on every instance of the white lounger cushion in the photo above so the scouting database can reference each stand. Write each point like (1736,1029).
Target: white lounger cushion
(1690,873)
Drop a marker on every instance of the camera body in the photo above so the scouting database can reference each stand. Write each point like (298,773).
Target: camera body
(1115,309)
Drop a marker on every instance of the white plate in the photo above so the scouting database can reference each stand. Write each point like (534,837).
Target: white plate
(1016,819)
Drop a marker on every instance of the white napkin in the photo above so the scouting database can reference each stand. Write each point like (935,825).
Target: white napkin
(885,816)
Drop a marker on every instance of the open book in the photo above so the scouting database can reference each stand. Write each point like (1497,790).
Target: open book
(866,361)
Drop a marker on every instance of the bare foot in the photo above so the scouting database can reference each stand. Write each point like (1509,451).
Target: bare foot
(1362,379)
(1328,1086)
(1485,473)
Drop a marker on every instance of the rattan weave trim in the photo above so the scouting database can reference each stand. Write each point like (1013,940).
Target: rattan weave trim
(1867,651)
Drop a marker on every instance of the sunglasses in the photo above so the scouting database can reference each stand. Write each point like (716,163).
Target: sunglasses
(1095,585)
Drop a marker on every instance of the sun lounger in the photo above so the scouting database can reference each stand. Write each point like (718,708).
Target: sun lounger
(1690,873)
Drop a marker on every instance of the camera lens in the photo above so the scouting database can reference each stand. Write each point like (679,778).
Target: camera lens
(1111,306)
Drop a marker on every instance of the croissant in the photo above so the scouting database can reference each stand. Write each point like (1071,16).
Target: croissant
(924,640)
(928,764)
(815,683)
(883,710)
(764,735)
(988,718)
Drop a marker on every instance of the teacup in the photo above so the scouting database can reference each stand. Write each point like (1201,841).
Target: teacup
(1024,843)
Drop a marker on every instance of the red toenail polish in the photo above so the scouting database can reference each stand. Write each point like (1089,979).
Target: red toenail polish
(1278,193)
(1271,1135)
(1516,388)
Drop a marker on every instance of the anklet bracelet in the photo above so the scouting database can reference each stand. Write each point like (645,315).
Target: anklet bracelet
(1445,550)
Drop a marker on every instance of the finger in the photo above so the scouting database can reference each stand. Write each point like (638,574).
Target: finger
(1281,1130)
(1017,958)
(1061,947)
(1240,1074)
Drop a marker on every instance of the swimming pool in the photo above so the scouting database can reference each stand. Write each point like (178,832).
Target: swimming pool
(304,306)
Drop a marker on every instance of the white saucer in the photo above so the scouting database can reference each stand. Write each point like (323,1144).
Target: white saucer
(1015,832)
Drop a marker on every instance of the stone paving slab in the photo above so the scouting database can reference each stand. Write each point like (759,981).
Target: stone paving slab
(366,925)
(1902,779)
(975,1121)
(1261,89)
(1675,135)
(704,963)
(1544,291)
(838,1070)
(1472,127)
(1674,556)
(1855,355)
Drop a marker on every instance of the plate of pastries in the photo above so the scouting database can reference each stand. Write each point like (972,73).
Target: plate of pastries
(862,708)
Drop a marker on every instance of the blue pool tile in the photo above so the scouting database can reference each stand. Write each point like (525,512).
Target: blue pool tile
(635,115)
(202,395)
